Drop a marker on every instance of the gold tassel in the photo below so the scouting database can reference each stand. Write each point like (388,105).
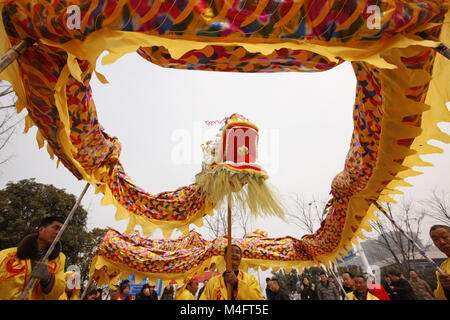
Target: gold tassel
(248,191)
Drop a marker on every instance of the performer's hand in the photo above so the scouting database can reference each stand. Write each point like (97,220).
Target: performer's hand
(445,281)
(40,271)
(230,278)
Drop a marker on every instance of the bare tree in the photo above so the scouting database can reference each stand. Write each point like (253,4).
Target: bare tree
(389,238)
(217,224)
(437,207)
(8,118)
(307,215)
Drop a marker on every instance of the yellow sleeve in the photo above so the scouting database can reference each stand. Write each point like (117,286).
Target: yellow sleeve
(185,295)
(248,289)
(439,291)
(206,294)
(59,285)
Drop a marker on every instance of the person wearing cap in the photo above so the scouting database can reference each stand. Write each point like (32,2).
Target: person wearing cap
(244,286)
(19,264)
(361,291)
(188,293)
(72,291)
(440,234)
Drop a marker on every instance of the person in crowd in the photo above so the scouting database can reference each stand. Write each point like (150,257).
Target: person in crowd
(189,292)
(146,293)
(244,286)
(377,289)
(19,264)
(349,283)
(269,292)
(114,289)
(124,291)
(326,290)
(277,292)
(72,291)
(401,289)
(153,293)
(440,234)
(308,290)
(91,295)
(361,291)
(421,288)
(388,287)
(99,293)
(167,293)
(202,289)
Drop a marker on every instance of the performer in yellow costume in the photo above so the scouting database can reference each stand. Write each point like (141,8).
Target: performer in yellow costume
(245,286)
(18,264)
(188,292)
(440,235)
(362,292)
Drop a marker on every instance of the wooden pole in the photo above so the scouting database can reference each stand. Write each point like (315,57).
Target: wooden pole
(14,53)
(230,289)
(421,251)
(339,282)
(87,288)
(58,236)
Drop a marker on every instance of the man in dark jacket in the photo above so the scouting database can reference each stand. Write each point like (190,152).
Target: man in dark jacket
(402,289)
(277,292)
(326,290)
(269,292)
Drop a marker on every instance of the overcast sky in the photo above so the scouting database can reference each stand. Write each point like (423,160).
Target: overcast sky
(160,116)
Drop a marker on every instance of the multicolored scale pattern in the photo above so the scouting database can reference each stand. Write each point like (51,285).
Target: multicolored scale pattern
(189,252)
(75,135)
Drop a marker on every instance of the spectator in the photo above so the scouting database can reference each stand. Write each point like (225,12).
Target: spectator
(277,292)
(349,283)
(440,235)
(269,292)
(189,292)
(326,290)
(147,293)
(308,290)
(99,293)
(388,287)
(124,291)
(91,295)
(17,262)
(361,292)
(401,289)
(244,286)
(377,289)
(421,288)
(167,293)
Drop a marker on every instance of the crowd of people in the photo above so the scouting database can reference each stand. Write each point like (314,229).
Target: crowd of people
(364,287)
(19,264)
